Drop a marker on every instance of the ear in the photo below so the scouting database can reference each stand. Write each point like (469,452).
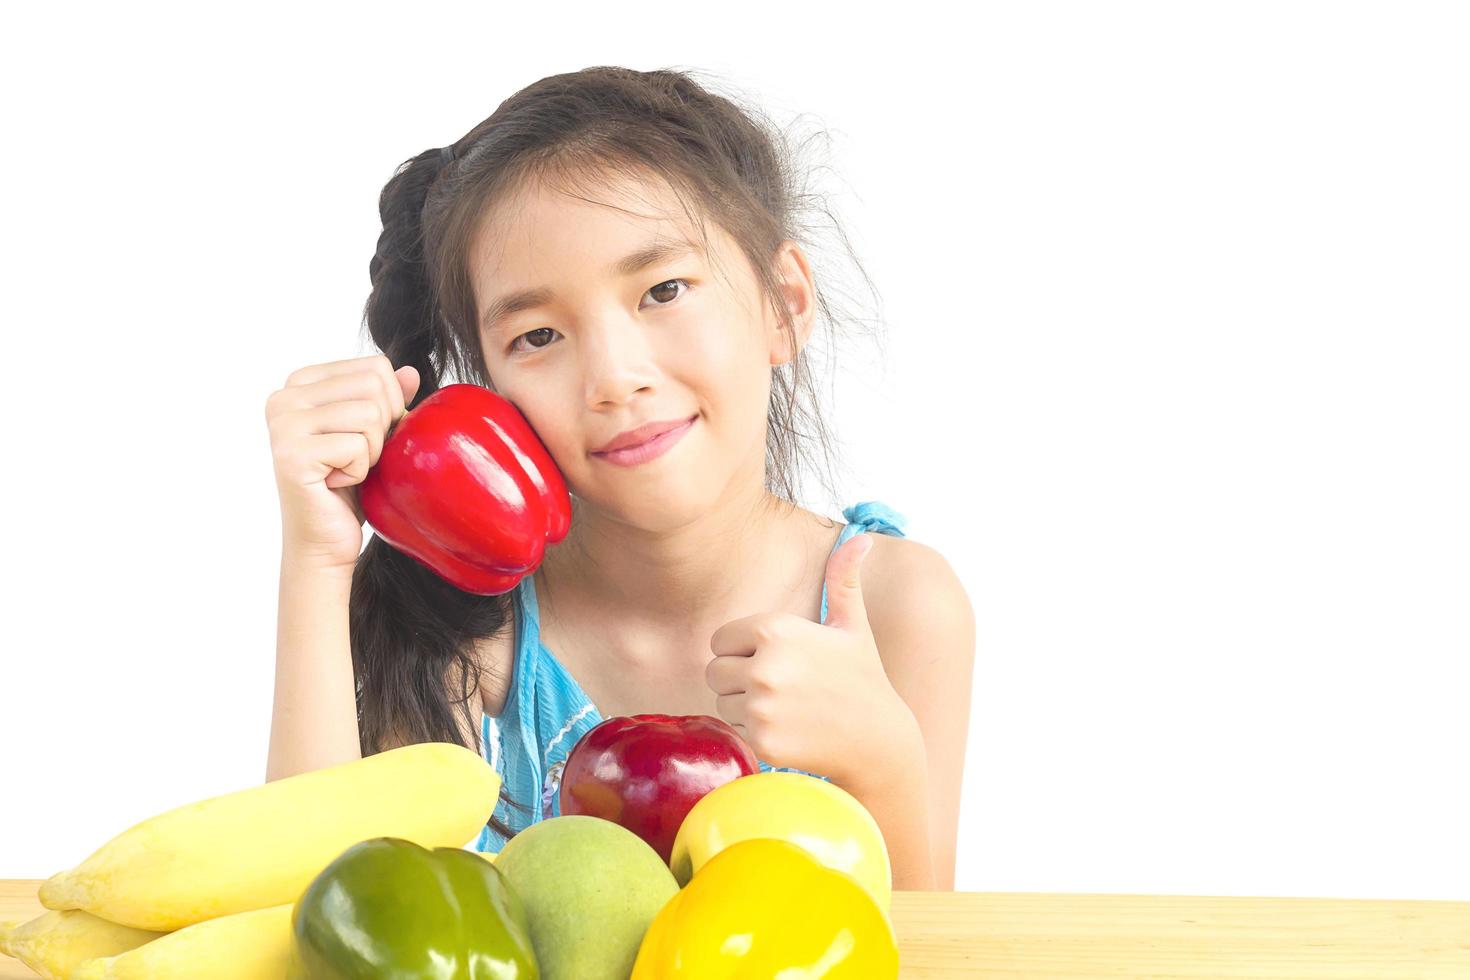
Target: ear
(798,293)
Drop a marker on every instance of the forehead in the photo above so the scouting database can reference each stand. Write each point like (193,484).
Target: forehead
(540,227)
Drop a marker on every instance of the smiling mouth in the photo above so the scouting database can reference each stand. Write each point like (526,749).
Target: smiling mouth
(648,449)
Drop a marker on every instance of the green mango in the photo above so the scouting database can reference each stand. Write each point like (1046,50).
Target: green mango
(387,907)
(591,888)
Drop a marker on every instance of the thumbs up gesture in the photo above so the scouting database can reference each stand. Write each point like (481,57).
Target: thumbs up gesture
(811,696)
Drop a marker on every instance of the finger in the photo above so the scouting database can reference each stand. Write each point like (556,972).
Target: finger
(392,389)
(406,386)
(317,457)
(845,607)
(731,708)
(742,637)
(363,416)
(360,386)
(357,416)
(370,377)
(313,373)
(727,675)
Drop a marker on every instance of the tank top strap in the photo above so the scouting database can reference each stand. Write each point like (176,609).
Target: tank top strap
(527,666)
(564,709)
(548,708)
(864,516)
(534,701)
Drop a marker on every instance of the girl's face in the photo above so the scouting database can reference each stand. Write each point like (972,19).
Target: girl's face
(611,343)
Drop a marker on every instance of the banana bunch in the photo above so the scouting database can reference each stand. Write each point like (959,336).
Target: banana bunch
(206,889)
(54,944)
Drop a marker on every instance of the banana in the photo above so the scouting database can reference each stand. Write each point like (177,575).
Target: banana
(252,945)
(260,847)
(54,943)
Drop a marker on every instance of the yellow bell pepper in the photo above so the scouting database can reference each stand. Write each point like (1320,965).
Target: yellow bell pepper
(827,821)
(764,908)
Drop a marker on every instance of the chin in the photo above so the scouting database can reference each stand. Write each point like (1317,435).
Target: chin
(666,511)
(664,506)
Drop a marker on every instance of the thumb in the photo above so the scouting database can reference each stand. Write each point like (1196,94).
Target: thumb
(845,609)
(408,380)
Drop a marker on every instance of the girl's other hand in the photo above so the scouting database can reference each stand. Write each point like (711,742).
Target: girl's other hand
(327,427)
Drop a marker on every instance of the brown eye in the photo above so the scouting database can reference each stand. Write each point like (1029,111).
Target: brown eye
(530,333)
(670,294)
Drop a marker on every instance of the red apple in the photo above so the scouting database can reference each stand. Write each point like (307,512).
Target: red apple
(645,772)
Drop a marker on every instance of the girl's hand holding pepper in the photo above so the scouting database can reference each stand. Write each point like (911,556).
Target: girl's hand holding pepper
(327,425)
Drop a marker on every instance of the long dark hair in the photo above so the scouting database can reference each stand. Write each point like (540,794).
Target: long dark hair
(411,632)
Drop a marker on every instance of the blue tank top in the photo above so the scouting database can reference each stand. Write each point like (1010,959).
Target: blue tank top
(546,711)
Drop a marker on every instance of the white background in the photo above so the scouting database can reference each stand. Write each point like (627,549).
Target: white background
(1175,300)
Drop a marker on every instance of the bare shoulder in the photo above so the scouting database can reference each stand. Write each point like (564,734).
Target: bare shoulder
(906,585)
(910,589)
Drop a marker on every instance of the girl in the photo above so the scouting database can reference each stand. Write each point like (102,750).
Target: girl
(613,252)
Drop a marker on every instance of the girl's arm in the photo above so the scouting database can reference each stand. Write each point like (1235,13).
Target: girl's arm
(898,797)
(925,633)
(314,719)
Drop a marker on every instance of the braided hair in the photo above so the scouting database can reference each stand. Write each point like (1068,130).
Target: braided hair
(409,627)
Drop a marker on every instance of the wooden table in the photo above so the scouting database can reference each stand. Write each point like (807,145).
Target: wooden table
(998,935)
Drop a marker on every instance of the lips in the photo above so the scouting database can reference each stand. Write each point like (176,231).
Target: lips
(647,451)
(640,435)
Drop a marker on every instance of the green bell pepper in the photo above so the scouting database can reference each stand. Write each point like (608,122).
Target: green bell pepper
(387,907)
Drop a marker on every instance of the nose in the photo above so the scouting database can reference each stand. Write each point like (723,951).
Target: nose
(618,361)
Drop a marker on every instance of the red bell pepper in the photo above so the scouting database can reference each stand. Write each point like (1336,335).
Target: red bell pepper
(465,486)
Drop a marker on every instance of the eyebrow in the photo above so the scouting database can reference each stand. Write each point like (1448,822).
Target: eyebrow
(656,251)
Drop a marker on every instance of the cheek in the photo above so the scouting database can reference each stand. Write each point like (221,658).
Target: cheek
(721,357)
(562,441)
(555,433)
